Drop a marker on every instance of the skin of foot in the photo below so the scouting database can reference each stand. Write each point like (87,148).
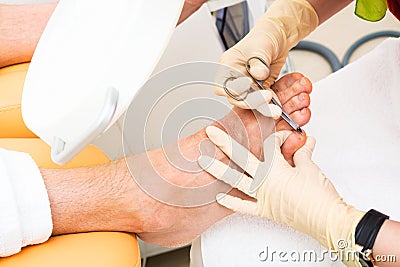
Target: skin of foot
(108,197)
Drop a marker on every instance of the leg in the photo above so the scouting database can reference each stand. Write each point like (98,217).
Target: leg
(107,198)
(20,29)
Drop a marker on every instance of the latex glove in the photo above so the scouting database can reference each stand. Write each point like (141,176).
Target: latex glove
(252,98)
(285,23)
(300,197)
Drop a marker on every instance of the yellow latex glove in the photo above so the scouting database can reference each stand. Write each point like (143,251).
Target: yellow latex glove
(300,197)
(285,23)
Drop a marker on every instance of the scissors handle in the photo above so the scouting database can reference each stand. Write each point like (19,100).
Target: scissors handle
(260,84)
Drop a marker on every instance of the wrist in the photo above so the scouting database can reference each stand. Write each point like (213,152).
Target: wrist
(366,234)
(340,232)
(341,225)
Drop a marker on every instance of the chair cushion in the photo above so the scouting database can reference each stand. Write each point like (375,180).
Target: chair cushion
(40,152)
(11,84)
(97,249)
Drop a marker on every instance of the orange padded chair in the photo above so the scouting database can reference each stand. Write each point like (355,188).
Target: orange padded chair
(96,249)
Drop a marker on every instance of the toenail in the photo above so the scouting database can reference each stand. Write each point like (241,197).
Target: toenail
(303,81)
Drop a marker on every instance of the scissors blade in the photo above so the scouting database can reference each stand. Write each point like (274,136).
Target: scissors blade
(287,118)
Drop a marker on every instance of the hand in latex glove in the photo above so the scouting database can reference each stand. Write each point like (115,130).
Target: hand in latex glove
(285,23)
(254,99)
(300,197)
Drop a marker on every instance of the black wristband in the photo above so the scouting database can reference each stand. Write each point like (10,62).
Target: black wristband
(368,228)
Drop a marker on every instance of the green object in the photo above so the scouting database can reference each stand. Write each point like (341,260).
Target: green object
(371,10)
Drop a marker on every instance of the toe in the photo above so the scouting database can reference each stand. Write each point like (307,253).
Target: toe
(291,145)
(301,117)
(291,85)
(286,81)
(297,102)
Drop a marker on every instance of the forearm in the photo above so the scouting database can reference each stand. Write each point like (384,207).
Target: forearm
(387,244)
(327,8)
(20,29)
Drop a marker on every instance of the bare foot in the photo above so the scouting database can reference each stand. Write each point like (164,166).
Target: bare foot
(179,225)
(111,198)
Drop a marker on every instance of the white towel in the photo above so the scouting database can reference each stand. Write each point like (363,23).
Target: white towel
(25,216)
(10,233)
(355,118)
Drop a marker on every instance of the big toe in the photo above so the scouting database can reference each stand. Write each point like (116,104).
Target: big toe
(291,145)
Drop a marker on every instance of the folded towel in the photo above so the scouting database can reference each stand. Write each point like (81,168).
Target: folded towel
(25,217)
(356,120)
(10,233)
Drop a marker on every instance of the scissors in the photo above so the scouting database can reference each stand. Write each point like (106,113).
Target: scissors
(242,97)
